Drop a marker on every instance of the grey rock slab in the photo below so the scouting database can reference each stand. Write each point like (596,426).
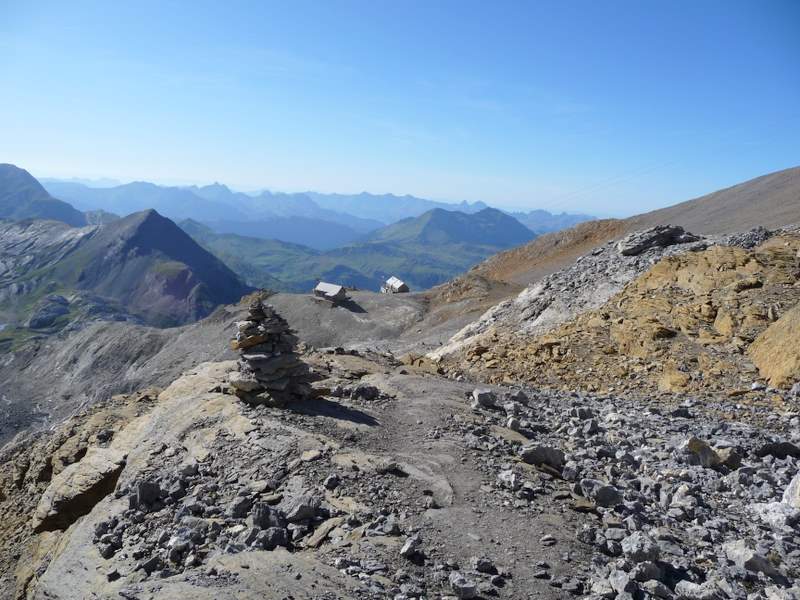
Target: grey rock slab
(640,547)
(75,490)
(462,587)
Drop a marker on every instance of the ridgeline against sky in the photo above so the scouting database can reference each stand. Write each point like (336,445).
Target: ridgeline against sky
(607,108)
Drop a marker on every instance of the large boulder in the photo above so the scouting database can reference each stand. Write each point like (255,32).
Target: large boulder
(741,554)
(776,352)
(75,490)
(539,455)
(655,237)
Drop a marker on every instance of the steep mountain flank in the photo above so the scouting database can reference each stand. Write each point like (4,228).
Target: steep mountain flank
(549,252)
(770,201)
(22,197)
(159,270)
(258,261)
(144,263)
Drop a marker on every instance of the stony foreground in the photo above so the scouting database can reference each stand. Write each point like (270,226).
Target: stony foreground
(400,484)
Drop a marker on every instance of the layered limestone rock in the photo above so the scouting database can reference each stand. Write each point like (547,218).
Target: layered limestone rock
(270,371)
(659,236)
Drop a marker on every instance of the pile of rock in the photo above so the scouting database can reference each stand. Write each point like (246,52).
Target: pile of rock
(270,371)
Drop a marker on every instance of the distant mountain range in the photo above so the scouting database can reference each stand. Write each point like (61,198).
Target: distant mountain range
(320,221)
(541,221)
(144,268)
(115,261)
(423,251)
(387,208)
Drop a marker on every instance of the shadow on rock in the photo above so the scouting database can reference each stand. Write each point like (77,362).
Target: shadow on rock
(327,408)
(352,306)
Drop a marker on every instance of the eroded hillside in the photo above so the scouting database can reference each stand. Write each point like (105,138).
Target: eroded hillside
(717,321)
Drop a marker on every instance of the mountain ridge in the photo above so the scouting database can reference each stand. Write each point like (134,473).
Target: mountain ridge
(142,261)
(423,251)
(23,197)
(770,200)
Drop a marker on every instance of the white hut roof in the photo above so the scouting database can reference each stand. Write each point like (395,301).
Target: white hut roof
(394,282)
(329,289)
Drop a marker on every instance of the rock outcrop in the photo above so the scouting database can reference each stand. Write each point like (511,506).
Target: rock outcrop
(722,320)
(659,236)
(776,351)
(586,284)
(74,492)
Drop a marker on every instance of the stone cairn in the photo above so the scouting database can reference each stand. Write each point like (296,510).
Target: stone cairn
(270,371)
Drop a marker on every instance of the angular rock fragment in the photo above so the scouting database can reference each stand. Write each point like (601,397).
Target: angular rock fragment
(791,494)
(75,490)
(538,454)
(411,547)
(484,397)
(741,554)
(698,452)
(144,494)
(302,508)
(658,236)
(462,587)
(640,547)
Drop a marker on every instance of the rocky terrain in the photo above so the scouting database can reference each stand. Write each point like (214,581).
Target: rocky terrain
(624,426)
(381,480)
(50,377)
(712,320)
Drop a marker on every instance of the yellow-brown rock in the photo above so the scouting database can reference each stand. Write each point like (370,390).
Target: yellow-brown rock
(776,352)
(673,380)
(690,319)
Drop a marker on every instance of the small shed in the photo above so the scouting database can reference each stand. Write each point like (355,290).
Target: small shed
(330,291)
(394,285)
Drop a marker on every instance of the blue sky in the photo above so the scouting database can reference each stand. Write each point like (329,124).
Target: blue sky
(606,107)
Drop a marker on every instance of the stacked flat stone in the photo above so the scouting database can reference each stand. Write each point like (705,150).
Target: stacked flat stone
(270,372)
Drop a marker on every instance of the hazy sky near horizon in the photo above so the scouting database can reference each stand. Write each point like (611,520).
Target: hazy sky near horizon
(610,107)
